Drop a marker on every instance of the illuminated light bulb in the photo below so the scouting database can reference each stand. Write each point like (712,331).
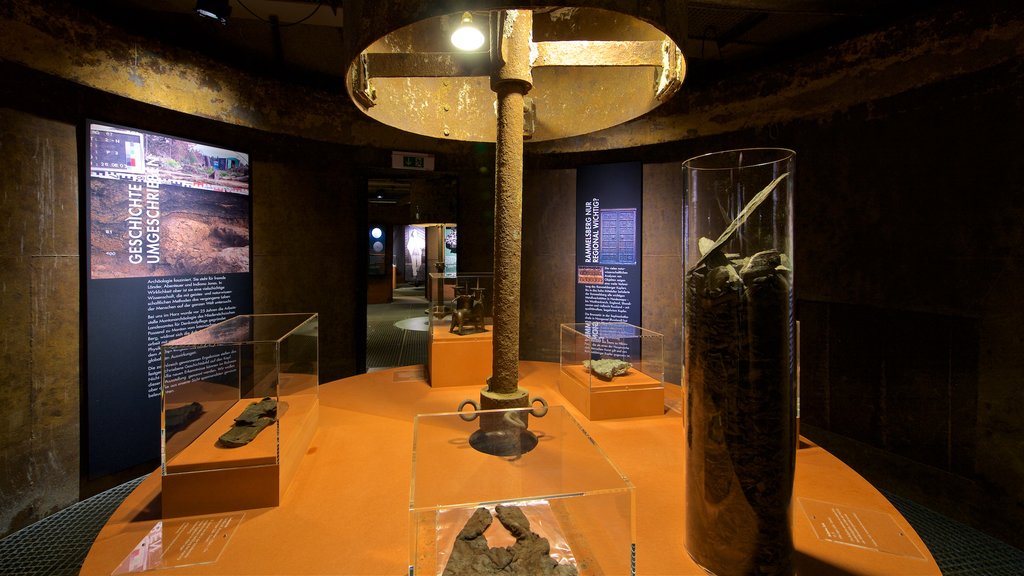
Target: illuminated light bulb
(467,36)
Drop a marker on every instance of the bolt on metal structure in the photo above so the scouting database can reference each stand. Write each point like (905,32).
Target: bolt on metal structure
(584,68)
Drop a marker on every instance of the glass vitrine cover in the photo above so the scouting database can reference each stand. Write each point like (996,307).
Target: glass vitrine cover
(612,370)
(552,471)
(229,391)
(599,354)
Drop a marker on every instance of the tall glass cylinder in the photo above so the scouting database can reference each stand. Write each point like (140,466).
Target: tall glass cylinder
(739,336)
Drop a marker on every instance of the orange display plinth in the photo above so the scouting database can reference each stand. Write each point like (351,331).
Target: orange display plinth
(460,337)
(459,360)
(631,395)
(206,478)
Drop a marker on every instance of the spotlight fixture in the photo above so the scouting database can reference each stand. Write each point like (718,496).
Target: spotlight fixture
(218,10)
(467,36)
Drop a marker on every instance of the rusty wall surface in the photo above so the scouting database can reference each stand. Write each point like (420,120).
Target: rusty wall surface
(898,60)
(61,38)
(908,254)
(306,208)
(39,312)
(908,205)
(908,257)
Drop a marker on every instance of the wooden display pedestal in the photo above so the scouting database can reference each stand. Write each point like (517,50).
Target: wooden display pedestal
(634,394)
(455,360)
(206,479)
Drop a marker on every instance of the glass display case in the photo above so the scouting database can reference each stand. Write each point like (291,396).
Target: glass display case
(612,369)
(550,475)
(460,335)
(239,410)
(739,354)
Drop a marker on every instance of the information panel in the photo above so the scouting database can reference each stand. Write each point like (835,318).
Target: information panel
(609,212)
(169,251)
(378,243)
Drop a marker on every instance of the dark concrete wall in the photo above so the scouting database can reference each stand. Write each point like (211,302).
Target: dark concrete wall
(476,218)
(309,255)
(909,260)
(662,261)
(549,260)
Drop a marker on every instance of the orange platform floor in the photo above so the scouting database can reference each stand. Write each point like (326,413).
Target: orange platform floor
(347,509)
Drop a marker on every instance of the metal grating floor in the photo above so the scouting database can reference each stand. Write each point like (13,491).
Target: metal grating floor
(958,549)
(389,345)
(57,544)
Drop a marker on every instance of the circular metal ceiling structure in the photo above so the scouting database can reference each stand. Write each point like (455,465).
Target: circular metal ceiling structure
(589,69)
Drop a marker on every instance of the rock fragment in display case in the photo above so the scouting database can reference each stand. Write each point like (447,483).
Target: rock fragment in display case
(612,369)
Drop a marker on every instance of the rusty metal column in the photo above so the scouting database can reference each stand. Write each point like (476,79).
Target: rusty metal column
(511,80)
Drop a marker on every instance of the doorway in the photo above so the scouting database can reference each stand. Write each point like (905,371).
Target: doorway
(409,219)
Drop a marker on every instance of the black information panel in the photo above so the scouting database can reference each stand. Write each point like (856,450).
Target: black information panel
(609,212)
(169,252)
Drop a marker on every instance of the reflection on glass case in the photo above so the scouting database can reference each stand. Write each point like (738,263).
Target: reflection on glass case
(460,335)
(555,501)
(612,369)
(239,409)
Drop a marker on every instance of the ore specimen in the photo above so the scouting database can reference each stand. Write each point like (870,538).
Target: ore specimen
(529,556)
(607,368)
(249,423)
(739,432)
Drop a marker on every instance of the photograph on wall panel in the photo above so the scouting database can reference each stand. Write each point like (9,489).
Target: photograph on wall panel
(169,252)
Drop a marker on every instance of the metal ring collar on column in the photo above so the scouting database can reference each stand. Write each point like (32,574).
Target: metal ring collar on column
(539,413)
(468,416)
